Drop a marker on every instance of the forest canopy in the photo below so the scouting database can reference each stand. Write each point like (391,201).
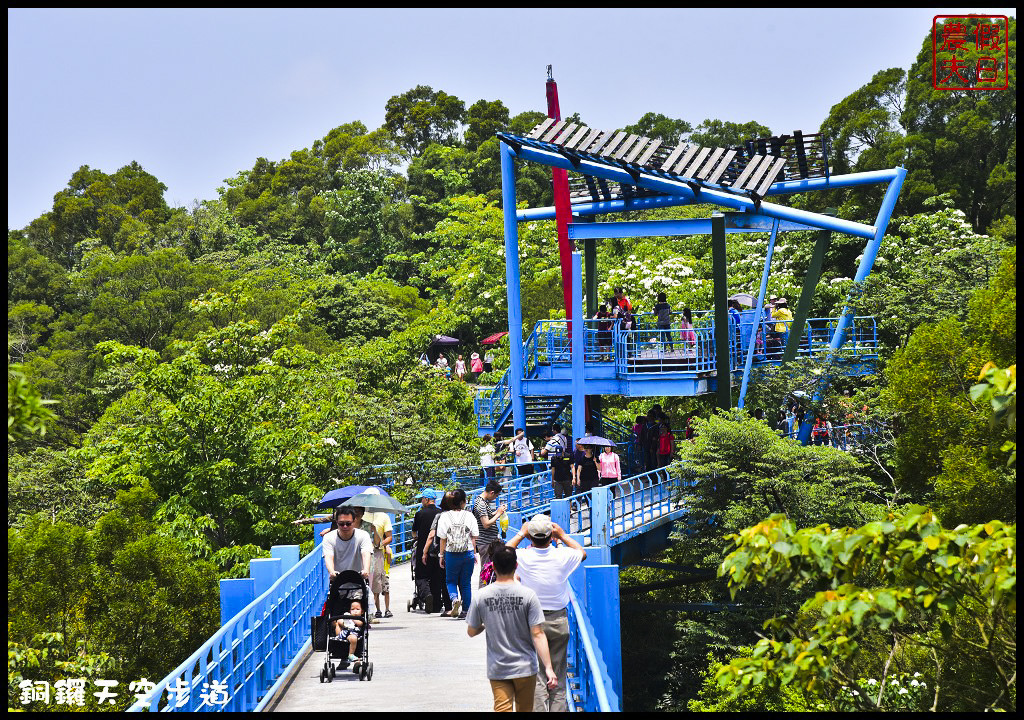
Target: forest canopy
(183,382)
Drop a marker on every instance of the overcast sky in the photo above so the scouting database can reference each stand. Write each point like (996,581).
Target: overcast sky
(197,95)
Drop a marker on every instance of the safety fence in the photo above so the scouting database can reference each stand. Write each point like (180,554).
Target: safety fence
(237,669)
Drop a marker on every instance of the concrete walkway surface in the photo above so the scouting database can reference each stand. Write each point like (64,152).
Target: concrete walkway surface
(420,663)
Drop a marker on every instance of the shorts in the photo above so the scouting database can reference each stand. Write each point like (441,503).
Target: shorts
(379,580)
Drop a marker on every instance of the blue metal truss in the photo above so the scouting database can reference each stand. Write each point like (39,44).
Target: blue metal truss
(665,190)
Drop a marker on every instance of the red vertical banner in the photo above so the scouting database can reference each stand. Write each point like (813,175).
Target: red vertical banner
(563,212)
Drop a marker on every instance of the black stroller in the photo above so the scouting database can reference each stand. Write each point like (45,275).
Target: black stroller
(345,588)
(423,599)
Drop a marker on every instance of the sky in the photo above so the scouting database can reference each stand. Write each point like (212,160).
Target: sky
(195,96)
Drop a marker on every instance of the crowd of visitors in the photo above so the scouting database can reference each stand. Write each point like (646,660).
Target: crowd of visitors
(476,367)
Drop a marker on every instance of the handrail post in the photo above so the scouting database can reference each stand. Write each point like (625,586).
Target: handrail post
(602,583)
(600,530)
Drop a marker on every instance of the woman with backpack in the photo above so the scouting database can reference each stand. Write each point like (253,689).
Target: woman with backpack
(458,530)
(432,555)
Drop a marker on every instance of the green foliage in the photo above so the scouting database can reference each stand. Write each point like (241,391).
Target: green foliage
(52,482)
(727,697)
(931,272)
(122,599)
(422,116)
(722,133)
(657,126)
(932,592)
(27,411)
(999,388)
(744,471)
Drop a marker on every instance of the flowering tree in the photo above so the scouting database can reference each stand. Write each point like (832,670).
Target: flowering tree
(899,596)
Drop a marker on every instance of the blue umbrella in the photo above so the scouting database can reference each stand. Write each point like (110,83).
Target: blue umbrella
(595,440)
(338,496)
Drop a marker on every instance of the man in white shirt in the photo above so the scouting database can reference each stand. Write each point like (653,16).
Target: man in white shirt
(348,548)
(545,569)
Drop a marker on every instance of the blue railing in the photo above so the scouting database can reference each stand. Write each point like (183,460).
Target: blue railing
(643,500)
(588,682)
(490,403)
(243,665)
(236,670)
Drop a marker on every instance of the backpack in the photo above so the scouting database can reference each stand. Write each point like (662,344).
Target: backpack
(459,535)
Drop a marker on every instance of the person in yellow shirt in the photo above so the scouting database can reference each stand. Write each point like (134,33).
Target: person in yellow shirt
(784,320)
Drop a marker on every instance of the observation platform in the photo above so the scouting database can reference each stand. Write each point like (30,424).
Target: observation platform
(652,362)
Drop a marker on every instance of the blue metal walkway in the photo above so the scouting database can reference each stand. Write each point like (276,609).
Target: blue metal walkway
(245,665)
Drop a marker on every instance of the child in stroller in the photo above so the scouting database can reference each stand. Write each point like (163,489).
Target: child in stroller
(350,628)
(342,628)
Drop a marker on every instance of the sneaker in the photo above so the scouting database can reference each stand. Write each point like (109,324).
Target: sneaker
(456,604)
(352,658)
(377,614)
(387,614)
(462,616)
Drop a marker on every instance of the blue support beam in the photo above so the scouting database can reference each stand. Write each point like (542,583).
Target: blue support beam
(579,392)
(867,262)
(734,223)
(682,190)
(836,182)
(758,314)
(512,286)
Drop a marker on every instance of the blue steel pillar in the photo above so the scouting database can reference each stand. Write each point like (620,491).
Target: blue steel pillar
(758,313)
(867,262)
(579,395)
(512,287)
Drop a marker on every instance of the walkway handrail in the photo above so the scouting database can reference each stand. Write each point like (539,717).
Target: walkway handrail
(589,671)
(241,662)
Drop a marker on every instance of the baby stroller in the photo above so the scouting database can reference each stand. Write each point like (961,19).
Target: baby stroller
(345,588)
(423,599)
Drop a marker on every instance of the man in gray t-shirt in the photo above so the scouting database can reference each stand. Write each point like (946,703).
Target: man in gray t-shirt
(512,615)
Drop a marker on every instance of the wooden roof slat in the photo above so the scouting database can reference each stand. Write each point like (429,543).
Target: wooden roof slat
(640,144)
(710,164)
(608,149)
(751,166)
(649,152)
(595,149)
(565,134)
(624,148)
(686,158)
(722,166)
(770,177)
(755,177)
(539,130)
(553,132)
(673,155)
(691,169)
(575,139)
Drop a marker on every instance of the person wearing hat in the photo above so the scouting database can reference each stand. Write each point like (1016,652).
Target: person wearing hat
(545,568)
(427,569)
(783,319)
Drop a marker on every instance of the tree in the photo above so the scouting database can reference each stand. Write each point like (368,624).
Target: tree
(422,116)
(744,471)
(657,126)
(483,120)
(942,601)
(722,133)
